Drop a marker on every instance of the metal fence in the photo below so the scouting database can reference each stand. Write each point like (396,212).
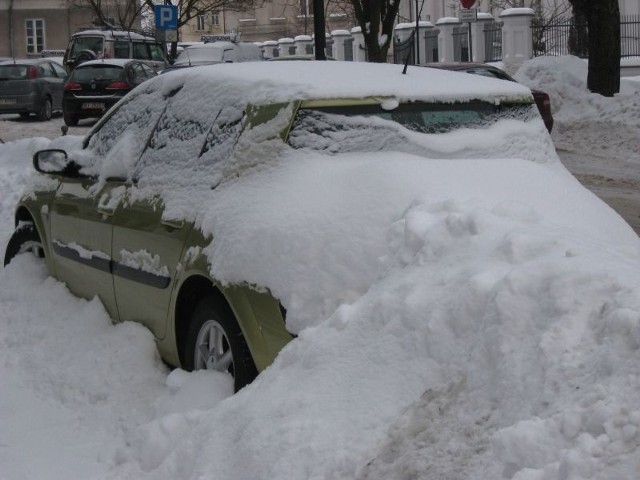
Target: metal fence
(348,50)
(431,45)
(493,41)
(567,36)
(461,44)
(630,35)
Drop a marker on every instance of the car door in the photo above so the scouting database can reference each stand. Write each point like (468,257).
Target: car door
(58,92)
(81,215)
(148,240)
(81,234)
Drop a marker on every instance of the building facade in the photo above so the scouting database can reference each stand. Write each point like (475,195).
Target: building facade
(273,20)
(29,27)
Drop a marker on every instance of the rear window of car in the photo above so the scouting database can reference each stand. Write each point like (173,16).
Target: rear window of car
(371,128)
(95,44)
(14,72)
(97,72)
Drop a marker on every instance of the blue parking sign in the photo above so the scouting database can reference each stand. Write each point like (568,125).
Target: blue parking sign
(166,17)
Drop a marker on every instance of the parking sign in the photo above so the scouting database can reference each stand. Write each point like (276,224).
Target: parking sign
(166,17)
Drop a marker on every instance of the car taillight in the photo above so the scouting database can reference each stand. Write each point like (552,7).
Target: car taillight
(32,72)
(118,85)
(72,86)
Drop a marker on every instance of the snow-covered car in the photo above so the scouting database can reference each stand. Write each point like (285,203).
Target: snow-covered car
(228,208)
(216,52)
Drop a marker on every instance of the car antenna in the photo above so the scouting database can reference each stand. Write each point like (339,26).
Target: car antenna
(413,34)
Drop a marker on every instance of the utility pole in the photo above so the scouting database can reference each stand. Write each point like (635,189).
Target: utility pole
(320,40)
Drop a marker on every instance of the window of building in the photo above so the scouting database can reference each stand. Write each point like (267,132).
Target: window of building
(201,22)
(35,35)
(215,19)
(305,8)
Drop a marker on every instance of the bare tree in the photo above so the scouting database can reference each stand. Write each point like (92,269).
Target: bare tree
(114,13)
(376,18)
(603,24)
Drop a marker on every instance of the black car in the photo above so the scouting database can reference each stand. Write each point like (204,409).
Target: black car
(541,98)
(97,85)
(31,86)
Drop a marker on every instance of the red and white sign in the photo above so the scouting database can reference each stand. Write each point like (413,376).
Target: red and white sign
(467,3)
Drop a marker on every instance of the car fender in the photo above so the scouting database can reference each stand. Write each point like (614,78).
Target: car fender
(257,312)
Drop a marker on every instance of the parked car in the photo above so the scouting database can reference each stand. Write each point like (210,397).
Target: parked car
(216,52)
(97,85)
(541,98)
(139,214)
(31,86)
(107,43)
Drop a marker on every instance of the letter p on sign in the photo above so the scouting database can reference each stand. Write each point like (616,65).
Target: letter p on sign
(166,17)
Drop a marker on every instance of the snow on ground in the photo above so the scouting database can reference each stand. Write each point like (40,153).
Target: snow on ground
(493,345)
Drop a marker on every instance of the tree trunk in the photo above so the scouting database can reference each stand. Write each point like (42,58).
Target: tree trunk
(603,22)
(376,19)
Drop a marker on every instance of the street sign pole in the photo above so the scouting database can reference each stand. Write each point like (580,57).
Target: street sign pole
(469,15)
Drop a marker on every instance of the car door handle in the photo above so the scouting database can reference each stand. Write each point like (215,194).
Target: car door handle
(106,211)
(175,224)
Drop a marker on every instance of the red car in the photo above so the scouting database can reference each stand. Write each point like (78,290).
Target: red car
(541,98)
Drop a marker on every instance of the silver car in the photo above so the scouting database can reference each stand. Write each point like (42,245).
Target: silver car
(31,86)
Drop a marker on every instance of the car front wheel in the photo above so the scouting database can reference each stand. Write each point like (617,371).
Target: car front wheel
(215,342)
(24,239)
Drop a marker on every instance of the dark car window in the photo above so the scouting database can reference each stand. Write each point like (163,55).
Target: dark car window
(141,51)
(148,71)
(138,75)
(121,50)
(45,70)
(96,72)
(86,43)
(60,72)
(157,54)
(14,72)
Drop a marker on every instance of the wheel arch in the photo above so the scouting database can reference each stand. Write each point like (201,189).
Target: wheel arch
(191,291)
(24,214)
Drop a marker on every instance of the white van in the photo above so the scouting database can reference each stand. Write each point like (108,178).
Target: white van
(95,43)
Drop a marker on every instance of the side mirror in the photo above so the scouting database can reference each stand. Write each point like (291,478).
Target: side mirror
(55,162)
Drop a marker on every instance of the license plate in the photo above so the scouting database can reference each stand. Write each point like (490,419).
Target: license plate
(8,101)
(92,106)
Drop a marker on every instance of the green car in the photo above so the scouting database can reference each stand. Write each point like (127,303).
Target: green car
(122,217)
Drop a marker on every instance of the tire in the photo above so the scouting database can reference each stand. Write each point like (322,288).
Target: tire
(46,110)
(24,239)
(215,342)
(85,56)
(70,120)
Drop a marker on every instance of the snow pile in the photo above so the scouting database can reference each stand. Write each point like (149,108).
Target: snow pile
(593,124)
(493,332)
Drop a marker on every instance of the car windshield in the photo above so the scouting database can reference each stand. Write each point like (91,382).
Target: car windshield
(97,72)
(86,43)
(14,72)
(371,128)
